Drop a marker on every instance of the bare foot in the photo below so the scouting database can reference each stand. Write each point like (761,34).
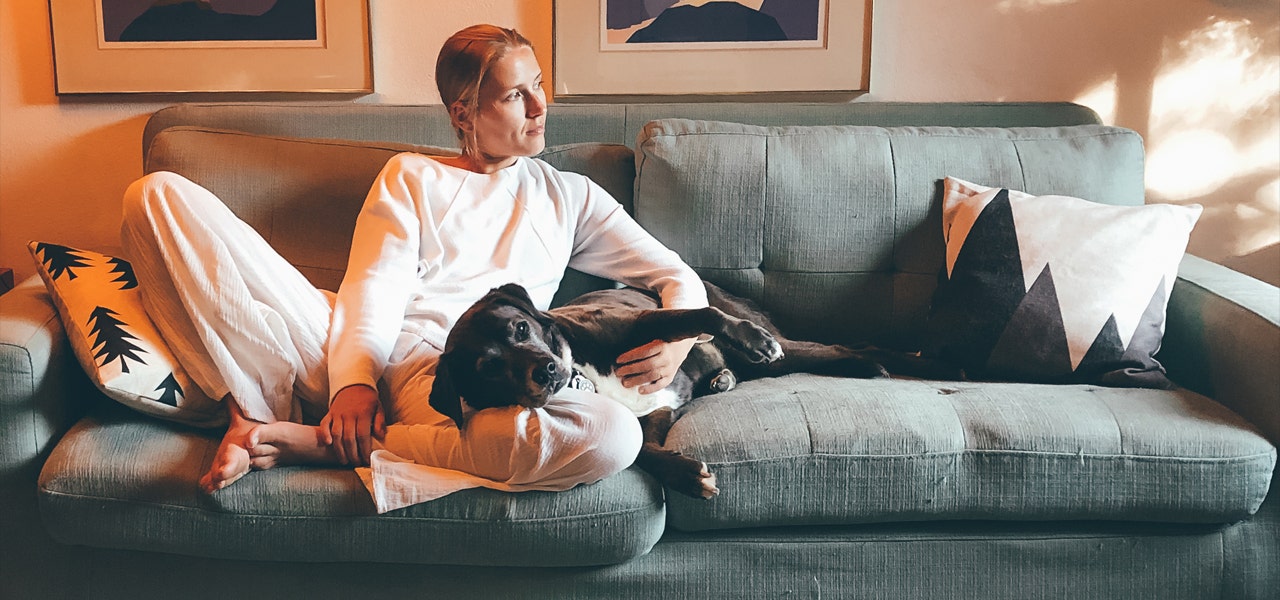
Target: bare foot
(285,443)
(253,446)
(231,461)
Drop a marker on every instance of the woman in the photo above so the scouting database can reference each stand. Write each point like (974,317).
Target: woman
(433,236)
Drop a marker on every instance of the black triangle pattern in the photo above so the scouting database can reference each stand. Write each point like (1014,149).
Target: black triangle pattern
(60,260)
(1138,366)
(1033,346)
(169,390)
(973,305)
(984,321)
(112,340)
(121,267)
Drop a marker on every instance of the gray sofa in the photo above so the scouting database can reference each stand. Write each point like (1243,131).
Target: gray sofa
(826,214)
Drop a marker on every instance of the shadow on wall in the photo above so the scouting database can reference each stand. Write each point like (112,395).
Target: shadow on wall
(1201,82)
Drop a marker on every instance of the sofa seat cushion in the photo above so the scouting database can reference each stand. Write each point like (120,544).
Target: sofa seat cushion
(118,480)
(806,449)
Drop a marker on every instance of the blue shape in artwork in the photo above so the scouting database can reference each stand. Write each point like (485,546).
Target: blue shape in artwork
(798,18)
(621,14)
(711,22)
(194,20)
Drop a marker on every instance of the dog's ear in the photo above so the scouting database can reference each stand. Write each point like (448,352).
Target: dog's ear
(518,296)
(444,397)
(515,295)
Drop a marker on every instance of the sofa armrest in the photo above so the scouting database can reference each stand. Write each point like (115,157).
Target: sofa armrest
(42,387)
(1222,339)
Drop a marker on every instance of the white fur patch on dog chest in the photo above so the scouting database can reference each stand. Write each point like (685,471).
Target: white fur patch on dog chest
(639,404)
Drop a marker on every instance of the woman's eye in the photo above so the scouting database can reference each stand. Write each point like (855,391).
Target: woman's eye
(522,331)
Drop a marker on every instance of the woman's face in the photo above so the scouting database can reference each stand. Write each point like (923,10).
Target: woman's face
(512,111)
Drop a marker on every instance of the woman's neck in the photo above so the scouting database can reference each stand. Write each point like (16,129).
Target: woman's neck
(482,164)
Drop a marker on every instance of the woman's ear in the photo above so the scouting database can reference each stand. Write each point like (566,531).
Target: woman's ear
(460,117)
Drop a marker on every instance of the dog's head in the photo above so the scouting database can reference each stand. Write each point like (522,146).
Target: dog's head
(502,352)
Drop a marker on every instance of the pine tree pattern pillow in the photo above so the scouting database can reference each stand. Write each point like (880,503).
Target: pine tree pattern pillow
(1055,289)
(113,338)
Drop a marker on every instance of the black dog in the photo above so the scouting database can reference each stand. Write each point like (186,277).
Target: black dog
(505,352)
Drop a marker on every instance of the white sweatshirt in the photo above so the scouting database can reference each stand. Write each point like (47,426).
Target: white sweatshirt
(432,239)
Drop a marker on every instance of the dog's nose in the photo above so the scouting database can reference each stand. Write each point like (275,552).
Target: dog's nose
(544,375)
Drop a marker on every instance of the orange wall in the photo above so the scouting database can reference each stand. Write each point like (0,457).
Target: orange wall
(1200,79)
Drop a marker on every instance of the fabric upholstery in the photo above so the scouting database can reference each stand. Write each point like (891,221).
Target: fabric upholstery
(834,229)
(112,472)
(805,449)
(602,123)
(1222,338)
(303,195)
(1217,341)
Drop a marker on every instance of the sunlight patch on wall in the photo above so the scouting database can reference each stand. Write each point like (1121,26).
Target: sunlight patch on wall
(1008,6)
(1102,99)
(1215,127)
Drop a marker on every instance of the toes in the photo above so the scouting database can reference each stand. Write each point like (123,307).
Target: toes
(263,456)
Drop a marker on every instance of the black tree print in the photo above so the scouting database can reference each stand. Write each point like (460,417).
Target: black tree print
(60,259)
(169,391)
(127,280)
(111,339)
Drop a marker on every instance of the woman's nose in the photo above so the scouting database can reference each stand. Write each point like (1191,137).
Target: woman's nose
(537,104)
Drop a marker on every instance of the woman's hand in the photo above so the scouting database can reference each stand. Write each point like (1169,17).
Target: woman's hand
(653,365)
(355,415)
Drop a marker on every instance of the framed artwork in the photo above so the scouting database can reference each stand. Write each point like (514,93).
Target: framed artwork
(629,48)
(145,46)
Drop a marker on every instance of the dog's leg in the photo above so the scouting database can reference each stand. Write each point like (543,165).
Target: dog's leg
(912,365)
(823,359)
(673,469)
(752,341)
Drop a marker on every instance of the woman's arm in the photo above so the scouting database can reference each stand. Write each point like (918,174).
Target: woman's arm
(609,243)
(381,274)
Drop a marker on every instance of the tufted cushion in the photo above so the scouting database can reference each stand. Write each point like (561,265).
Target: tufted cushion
(834,229)
(116,481)
(805,449)
(302,194)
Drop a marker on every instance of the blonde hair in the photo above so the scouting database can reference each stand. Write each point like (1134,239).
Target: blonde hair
(463,64)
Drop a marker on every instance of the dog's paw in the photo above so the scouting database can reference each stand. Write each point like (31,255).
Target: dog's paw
(698,482)
(690,477)
(723,381)
(757,344)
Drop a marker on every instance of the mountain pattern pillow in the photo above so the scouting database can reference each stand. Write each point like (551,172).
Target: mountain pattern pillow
(113,338)
(1055,289)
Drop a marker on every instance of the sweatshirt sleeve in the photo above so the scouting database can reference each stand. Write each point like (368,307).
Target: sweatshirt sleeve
(381,275)
(609,243)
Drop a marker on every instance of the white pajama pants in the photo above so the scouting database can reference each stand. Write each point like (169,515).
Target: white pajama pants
(245,322)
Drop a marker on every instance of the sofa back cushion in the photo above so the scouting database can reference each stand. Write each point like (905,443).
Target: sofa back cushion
(303,194)
(837,230)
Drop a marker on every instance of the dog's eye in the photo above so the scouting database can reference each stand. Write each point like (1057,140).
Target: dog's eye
(522,331)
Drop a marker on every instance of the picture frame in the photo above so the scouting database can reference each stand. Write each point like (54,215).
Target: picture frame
(592,62)
(99,47)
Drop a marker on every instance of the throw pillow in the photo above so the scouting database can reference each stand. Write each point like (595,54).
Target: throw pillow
(113,338)
(1055,289)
